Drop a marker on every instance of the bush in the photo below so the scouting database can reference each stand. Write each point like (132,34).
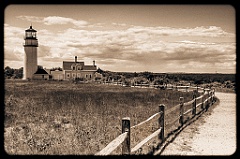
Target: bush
(78,80)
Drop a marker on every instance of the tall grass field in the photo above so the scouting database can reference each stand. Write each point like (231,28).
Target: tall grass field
(63,118)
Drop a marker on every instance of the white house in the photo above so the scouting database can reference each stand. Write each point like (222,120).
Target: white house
(76,69)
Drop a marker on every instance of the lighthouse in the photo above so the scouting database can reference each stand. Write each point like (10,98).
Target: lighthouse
(30,49)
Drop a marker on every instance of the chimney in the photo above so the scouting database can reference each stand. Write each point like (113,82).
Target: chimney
(93,62)
(75,58)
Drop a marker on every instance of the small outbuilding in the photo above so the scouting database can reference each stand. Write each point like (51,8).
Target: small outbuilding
(57,75)
(41,74)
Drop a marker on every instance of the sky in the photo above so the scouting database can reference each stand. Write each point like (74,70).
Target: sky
(126,38)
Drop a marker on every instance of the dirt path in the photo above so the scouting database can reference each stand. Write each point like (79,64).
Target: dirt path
(214,133)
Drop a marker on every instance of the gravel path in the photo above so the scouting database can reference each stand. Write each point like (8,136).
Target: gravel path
(214,133)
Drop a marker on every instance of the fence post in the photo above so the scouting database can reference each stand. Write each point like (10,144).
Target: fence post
(126,143)
(202,106)
(211,99)
(161,121)
(212,95)
(194,103)
(208,101)
(181,110)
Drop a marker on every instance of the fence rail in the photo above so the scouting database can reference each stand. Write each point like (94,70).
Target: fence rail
(145,121)
(138,146)
(113,145)
(205,101)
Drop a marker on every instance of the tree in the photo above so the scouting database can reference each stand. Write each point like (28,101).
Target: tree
(176,79)
(40,67)
(56,68)
(99,70)
(150,77)
(13,73)
(18,73)
(8,72)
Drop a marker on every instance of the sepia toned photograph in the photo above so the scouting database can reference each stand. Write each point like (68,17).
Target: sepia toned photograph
(104,80)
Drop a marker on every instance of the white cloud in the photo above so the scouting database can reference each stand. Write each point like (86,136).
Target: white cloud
(30,18)
(119,24)
(143,48)
(136,48)
(208,31)
(13,45)
(51,20)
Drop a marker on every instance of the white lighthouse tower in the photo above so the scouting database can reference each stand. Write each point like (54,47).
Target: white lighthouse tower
(30,49)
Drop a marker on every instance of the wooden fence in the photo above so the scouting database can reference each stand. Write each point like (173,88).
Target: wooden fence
(185,110)
(170,87)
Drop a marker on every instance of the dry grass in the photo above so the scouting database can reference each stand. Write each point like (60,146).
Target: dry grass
(49,117)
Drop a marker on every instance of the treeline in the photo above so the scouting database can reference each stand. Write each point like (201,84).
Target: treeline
(194,78)
(201,78)
(144,77)
(11,73)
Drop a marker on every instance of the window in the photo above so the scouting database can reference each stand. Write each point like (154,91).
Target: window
(73,67)
(90,76)
(34,34)
(78,75)
(73,75)
(86,76)
(28,34)
(68,75)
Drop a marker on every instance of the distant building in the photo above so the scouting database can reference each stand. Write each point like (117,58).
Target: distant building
(76,69)
(57,75)
(40,75)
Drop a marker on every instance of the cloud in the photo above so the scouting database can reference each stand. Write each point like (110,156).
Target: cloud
(205,31)
(11,31)
(13,56)
(30,18)
(203,53)
(13,44)
(119,24)
(51,20)
(145,49)
(44,51)
(135,48)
